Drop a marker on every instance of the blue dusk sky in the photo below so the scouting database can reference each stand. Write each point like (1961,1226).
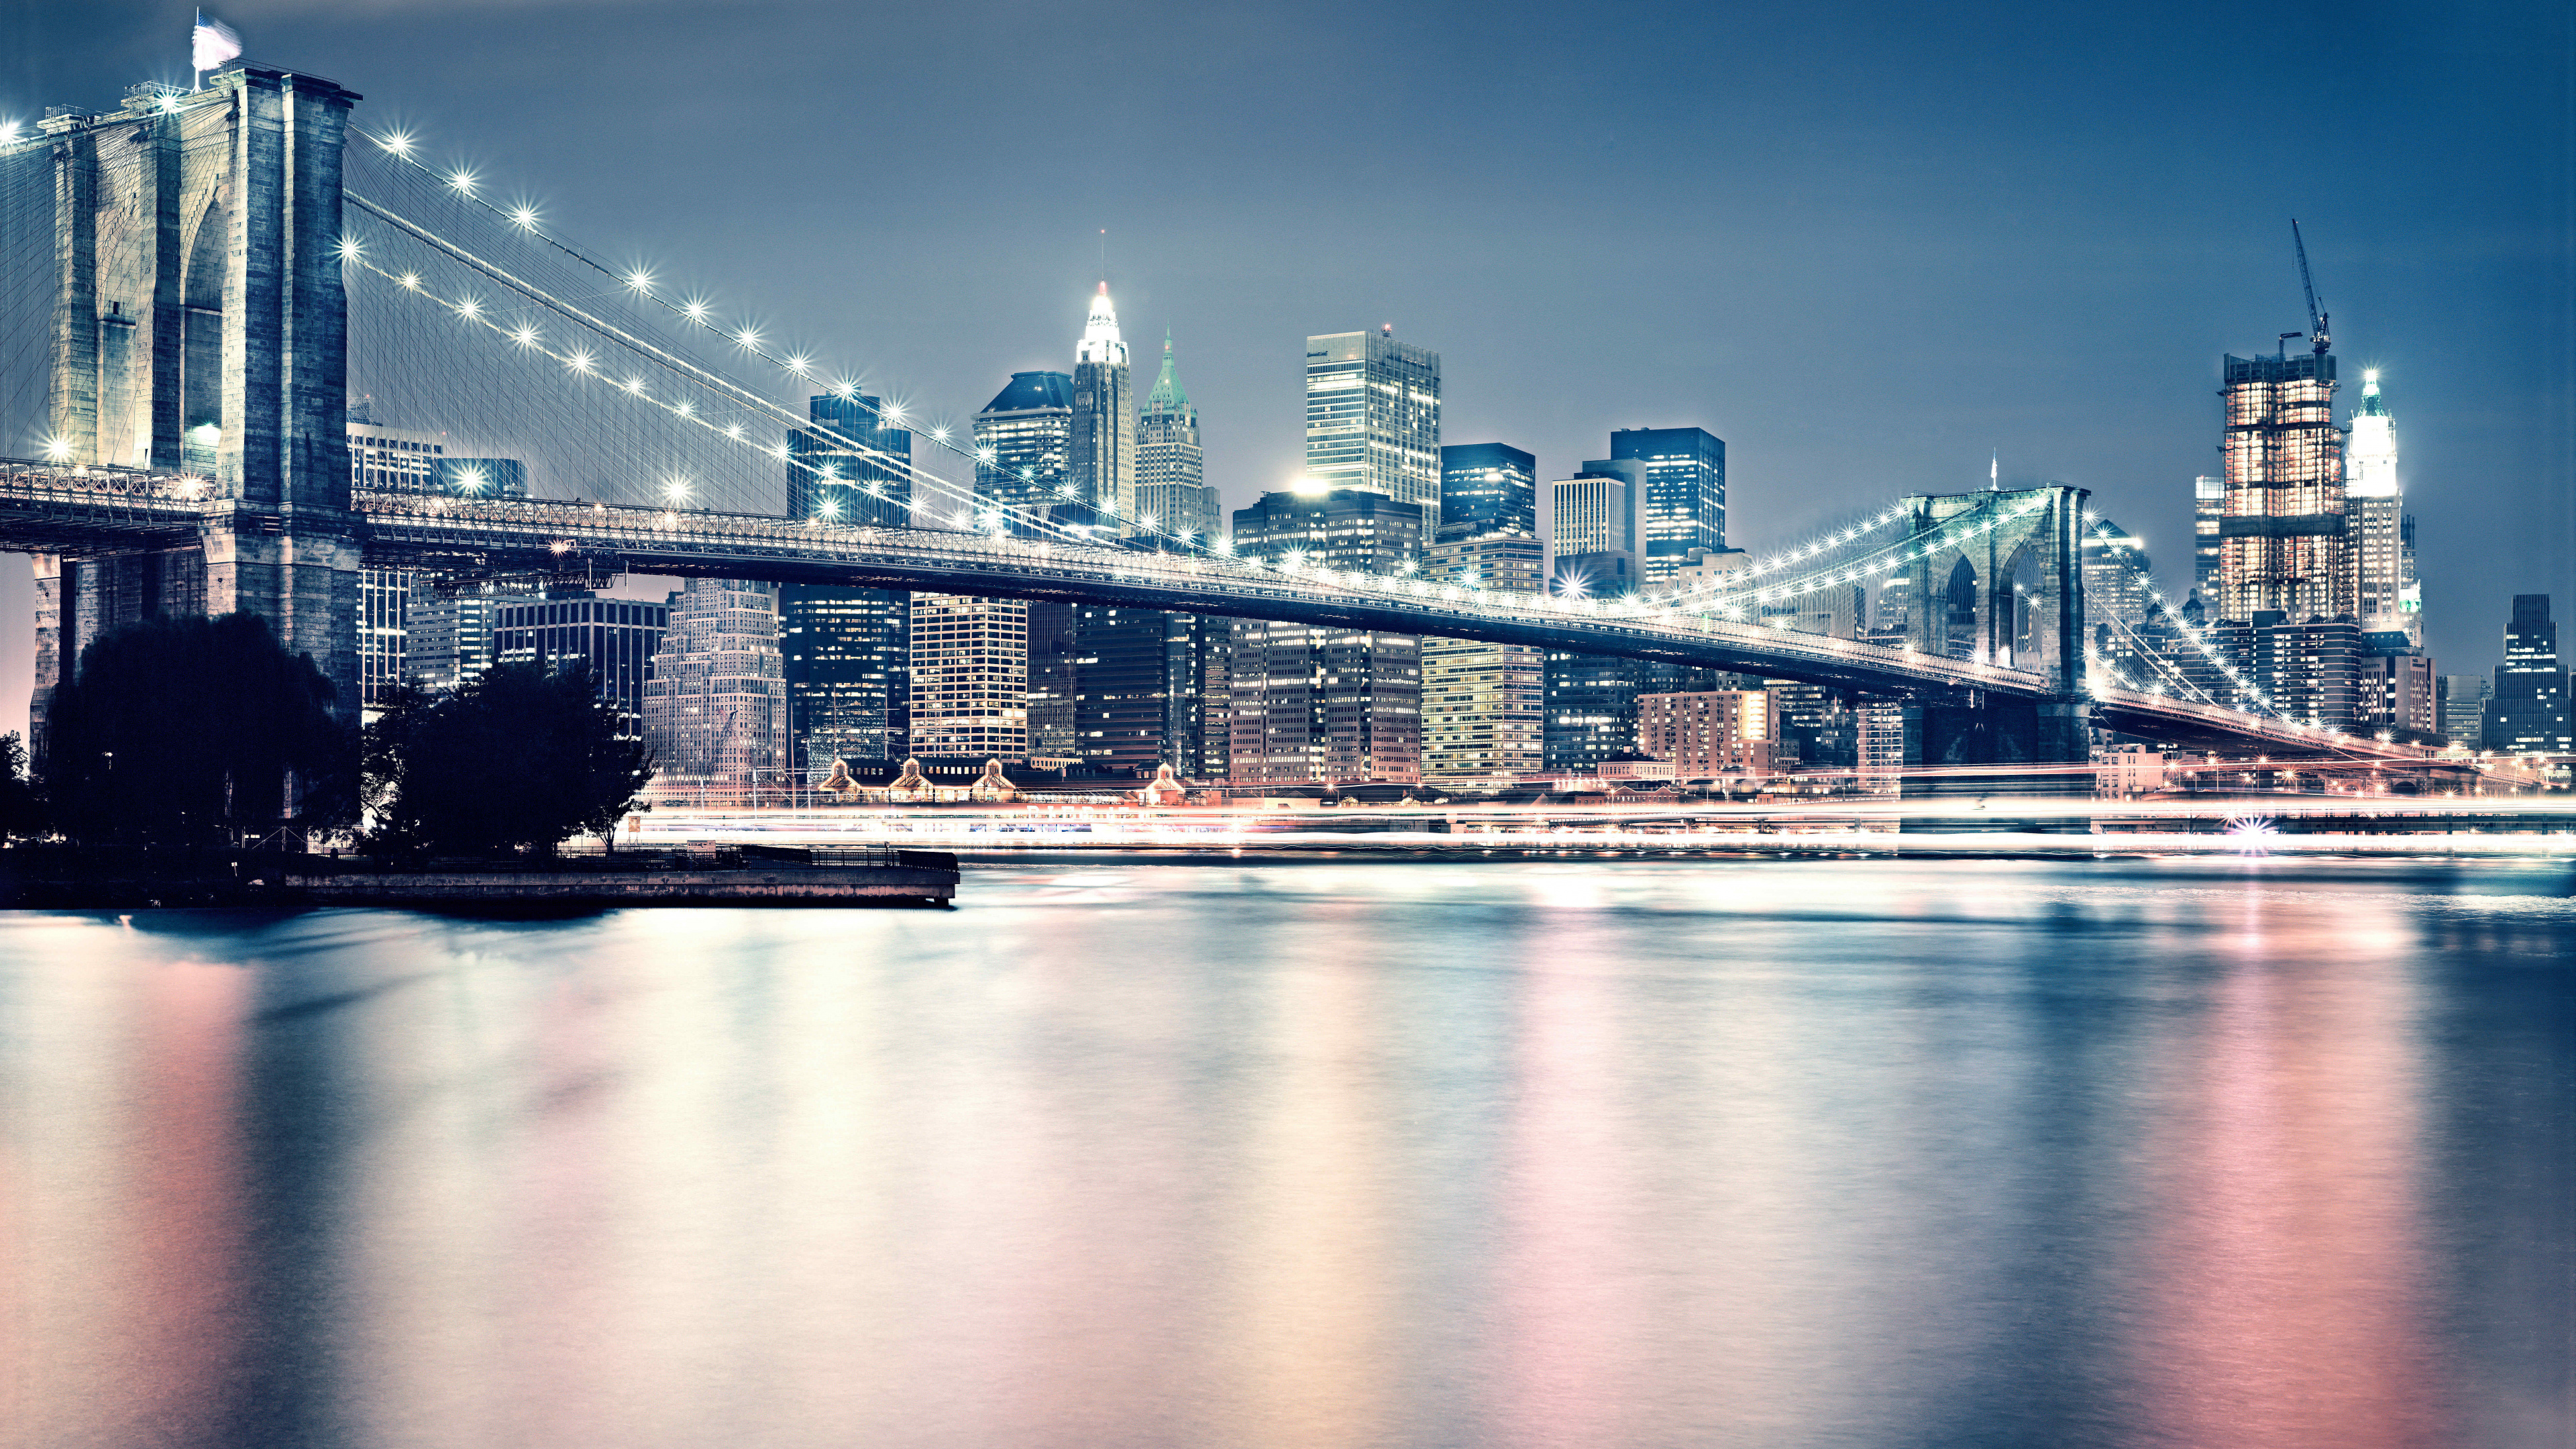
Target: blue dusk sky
(1865,245)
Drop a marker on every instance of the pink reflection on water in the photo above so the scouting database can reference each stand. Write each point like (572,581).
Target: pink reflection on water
(2284,1302)
(122,1221)
(1313,1355)
(1568,1294)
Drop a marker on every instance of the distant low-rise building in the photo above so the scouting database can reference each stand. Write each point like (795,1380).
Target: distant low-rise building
(1710,734)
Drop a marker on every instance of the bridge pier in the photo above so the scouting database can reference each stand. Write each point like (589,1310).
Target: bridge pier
(1988,753)
(2006,588)
(200,322)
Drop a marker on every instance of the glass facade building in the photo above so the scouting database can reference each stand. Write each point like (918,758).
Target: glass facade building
(615,638)
(1314,703)
(1484,706)
(2527,714)
(1487,488)
(1373,416)
(2208,510)
(846,652)
(1682,505)
(1023,441)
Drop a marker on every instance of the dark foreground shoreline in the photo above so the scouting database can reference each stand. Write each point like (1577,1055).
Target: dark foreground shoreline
(70,878)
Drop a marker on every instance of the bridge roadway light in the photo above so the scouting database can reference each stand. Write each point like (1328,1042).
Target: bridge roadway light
(58,450)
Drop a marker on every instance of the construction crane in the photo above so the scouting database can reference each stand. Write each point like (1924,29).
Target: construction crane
(2316,314)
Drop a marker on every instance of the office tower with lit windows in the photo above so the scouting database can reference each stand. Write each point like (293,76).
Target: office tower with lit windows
(2385,594)
(2208,514)
(1591,711)
(1681,502)
(846,651)
(2283,540)
(1055,678)
(1327,703)
(387,460)
(2395,690)
(1198,693)
(1484,706)
(452,623)
(715,705)
(970,678)
(2117,580)
(1101,446)
(1023,447)
(1487,488)
(2460,703)
(615,639)
(1121,707)
(2310,669)
(2528,713)
(1592,513)
(850,466)
(1171,468)
(1373,416)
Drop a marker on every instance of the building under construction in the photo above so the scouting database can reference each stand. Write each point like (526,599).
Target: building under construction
(2283,543)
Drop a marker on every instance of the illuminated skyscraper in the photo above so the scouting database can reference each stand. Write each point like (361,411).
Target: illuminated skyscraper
(970,677)
(2116,581)
(2208,511)
(2385,594)
(1591,513)
(1484,706)
(1319,703)
(1487,488)
(1373,416)
(1101,449)
(1023,439)
(615,638)
(2283,545)
(850,467)
(2527,714)
(1171,480)
(846,651)
(1682,504)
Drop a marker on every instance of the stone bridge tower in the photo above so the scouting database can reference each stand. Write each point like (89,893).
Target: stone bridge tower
(2013,596)
(200,326)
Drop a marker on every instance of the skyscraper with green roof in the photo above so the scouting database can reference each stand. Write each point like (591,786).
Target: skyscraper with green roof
(1171,481)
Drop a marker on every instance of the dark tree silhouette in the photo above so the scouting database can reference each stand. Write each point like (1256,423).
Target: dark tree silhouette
(520,759)
(18,807)
(182,730)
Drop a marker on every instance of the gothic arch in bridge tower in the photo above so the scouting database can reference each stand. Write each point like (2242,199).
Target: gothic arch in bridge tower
(1959,612)
(200,323)
(2003,579)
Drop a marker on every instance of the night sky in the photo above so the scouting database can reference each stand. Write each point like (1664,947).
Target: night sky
(1864,245)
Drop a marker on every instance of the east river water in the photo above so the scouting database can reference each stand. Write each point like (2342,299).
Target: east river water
(1584,1153)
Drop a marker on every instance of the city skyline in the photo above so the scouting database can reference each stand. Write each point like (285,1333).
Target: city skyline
(1968,324)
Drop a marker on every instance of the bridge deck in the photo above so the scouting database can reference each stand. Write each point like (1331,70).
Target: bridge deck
(58,510)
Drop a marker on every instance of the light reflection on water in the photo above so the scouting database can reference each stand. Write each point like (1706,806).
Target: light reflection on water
(1580,1153)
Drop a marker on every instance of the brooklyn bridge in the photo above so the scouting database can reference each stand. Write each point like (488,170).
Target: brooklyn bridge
(212,271)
